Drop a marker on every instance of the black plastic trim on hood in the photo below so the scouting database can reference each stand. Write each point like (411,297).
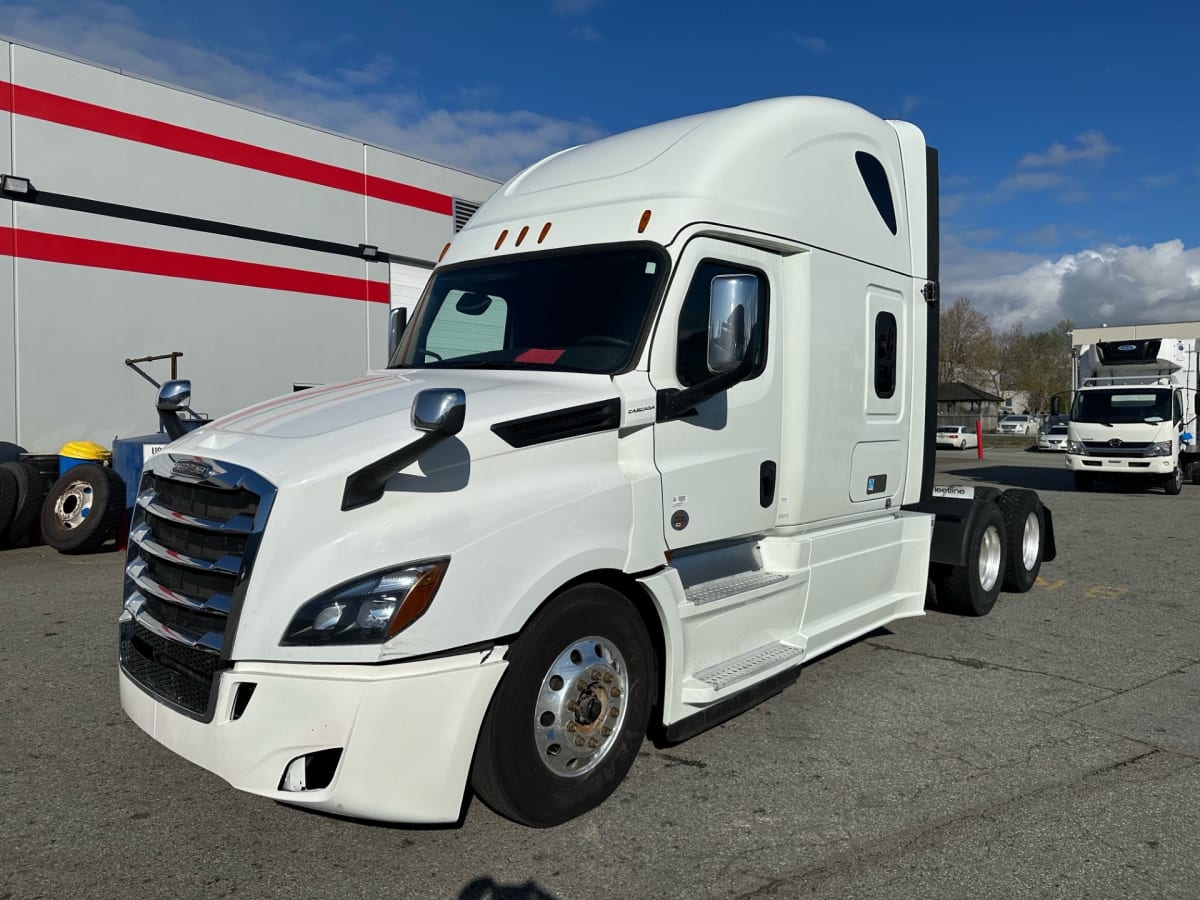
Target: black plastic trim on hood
(590,418)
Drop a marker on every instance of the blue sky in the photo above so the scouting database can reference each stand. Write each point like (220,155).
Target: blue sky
(1069,132)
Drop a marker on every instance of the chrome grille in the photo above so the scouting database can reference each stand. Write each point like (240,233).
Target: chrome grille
(192,543)
(1124,449)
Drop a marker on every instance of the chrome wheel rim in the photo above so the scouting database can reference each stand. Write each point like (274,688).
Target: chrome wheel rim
(73,505)
(581,707)
(1031,541)
(989,558)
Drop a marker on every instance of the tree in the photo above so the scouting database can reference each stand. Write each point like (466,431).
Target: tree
(966,349)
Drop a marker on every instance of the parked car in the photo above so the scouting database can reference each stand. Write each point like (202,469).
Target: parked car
(959,436)
(1054,438)
(1017,425)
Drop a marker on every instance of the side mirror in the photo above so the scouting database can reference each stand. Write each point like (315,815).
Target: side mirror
(732,314)
(397,322)
(1054,406)
(439,411)
(174,396)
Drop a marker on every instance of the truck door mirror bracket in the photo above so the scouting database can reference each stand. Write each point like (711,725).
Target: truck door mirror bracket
(674,404)
(439,413)
(397,322)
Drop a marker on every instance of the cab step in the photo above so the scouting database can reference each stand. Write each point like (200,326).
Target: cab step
(746,666)
(731,585)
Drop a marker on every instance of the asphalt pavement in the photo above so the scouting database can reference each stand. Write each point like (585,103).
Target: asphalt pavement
(1047,750)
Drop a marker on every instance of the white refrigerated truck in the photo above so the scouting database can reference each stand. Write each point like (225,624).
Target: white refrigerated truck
(1133,417)
(660,431)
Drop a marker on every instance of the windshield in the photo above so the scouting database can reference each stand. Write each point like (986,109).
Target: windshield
(580,312)
(1122,406)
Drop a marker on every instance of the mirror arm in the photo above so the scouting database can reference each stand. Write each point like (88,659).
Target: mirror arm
(673,403)
(171,424)
(366,485)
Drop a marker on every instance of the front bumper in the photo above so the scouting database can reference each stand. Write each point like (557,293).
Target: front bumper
(1132,466)
(407,731)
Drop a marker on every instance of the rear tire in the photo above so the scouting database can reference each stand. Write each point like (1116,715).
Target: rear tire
(83,508)
(31,490)
(1025,530)
(1083,481)
(972,589)
(569,715)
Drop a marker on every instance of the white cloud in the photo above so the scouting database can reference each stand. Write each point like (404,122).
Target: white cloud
(812,44)
(367,101)
(1124,285)
(1032,181)
(1092,146)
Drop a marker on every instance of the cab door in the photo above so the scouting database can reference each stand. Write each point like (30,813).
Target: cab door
(719,464)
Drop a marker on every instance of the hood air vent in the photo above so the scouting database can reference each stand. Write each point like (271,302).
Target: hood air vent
(562,423)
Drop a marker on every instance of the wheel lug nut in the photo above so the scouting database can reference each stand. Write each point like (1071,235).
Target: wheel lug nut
(578,742)
(570,726)
(614,712)
(581,685)
(594,674)
(572,705)
(593,743)
(608,678)
(605,731)
(616,692)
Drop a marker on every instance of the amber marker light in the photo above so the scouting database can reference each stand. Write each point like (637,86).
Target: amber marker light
(521,236)
(445,250)
(500,240)
(644,222)
(419,596)
(545,231)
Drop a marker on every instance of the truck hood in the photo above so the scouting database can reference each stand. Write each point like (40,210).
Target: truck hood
(342,426)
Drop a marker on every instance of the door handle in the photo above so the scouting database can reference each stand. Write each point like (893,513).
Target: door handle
(766,484)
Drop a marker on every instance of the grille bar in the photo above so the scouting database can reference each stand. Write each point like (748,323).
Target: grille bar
(229,564)
(138,574)
(148,500)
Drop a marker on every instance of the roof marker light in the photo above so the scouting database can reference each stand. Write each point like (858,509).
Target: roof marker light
(445,249)
(644,222)
(545,231)
(500,240)
(521,236)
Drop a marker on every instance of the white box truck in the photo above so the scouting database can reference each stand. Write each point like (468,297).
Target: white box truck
(1133,416)
(660,431)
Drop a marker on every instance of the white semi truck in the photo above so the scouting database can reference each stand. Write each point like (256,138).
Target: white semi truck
(1133,416)
(660,431)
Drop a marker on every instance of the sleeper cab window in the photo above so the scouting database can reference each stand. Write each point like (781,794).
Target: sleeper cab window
(691,358)
(885,355)
(876,180)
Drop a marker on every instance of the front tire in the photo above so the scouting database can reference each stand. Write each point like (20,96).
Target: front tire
(569,715)
(1174,483)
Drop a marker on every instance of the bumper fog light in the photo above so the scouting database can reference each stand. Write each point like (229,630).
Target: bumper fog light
(311,772)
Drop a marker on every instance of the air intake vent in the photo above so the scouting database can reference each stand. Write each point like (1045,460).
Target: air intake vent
(563,423)
(463,210)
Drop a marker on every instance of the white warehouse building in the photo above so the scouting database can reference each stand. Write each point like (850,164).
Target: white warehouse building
(141,219)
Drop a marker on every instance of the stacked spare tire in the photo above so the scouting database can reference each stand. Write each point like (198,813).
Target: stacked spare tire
(80,511)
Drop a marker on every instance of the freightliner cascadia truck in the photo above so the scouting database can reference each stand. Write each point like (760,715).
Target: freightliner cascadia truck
(659,431)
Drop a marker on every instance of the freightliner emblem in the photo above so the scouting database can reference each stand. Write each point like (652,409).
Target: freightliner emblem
(191,468)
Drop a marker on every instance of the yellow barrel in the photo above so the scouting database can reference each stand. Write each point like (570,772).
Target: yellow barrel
(74,453)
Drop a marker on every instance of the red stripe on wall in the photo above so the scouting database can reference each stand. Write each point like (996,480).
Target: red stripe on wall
(58,248)
(27,101)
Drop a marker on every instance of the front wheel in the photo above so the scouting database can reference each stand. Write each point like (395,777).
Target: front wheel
(1174,482)
(569,715)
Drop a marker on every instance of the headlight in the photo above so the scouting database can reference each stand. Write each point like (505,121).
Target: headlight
(1077,448)
(1160,448)
(368,610)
